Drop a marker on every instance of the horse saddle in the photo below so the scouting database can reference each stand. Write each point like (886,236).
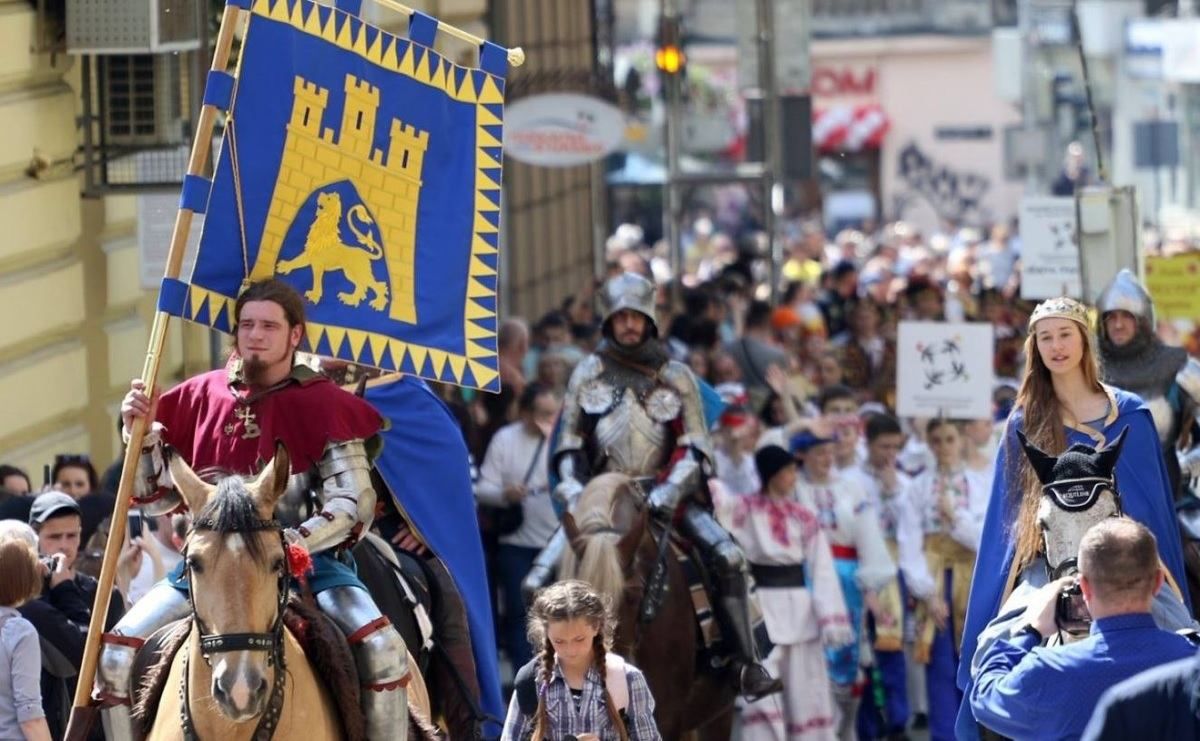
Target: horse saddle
(323,644)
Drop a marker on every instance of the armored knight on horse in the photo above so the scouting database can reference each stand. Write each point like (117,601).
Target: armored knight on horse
(631,410)
(1167,378)
(230,419)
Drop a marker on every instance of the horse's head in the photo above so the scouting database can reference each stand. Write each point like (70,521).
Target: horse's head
(1078,491)
(605,530)
(237,570)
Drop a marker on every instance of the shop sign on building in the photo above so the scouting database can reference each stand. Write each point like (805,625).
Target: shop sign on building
(1172,283)
(562,129)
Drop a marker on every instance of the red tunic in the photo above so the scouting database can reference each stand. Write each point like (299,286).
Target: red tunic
(201,421)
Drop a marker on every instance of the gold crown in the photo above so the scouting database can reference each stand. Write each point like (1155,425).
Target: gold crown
(1061,308)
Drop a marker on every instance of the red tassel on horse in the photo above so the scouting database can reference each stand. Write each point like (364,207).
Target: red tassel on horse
(299,561)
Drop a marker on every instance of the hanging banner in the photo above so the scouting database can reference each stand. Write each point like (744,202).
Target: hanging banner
(1174,284)
(364,169)
(1049,250)
(944,370)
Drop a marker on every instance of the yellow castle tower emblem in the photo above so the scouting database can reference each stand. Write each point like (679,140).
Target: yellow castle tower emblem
(389,183)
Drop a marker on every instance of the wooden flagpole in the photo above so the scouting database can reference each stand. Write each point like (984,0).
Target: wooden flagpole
(79,725)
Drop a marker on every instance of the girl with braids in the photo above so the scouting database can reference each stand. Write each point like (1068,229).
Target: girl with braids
(582,690)
(1062,402)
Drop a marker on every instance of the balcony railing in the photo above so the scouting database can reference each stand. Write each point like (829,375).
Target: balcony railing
(834,18)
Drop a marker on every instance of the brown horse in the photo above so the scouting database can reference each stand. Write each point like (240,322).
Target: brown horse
(238,654)
(613,548)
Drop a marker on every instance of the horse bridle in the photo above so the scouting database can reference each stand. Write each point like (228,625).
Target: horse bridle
(1076,495)
(215,643)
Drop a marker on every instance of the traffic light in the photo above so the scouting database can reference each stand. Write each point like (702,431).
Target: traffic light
(668,55)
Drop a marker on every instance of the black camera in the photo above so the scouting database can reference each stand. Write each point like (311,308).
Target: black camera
(1071,612)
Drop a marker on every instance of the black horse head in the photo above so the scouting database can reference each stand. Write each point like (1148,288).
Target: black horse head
(1068,477)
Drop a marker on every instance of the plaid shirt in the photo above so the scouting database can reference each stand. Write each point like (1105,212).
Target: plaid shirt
(591,716)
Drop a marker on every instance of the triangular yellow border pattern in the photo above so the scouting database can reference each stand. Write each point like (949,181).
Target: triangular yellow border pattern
(397,55)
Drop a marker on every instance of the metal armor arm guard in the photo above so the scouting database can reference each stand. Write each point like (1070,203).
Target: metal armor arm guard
(685,476)
(570,467)
(1188,380)
(347,498)
(681,482)
(153,489)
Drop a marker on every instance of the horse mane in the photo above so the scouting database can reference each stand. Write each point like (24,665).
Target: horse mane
(600,562)
(232,510)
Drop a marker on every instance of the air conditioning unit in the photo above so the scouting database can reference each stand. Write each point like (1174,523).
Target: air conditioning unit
(132,26)
(142,101)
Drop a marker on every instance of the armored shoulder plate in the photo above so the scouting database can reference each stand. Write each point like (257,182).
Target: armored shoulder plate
(680,378)
(1188,379)
(582,379)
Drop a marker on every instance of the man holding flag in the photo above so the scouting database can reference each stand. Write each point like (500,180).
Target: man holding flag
(230,419)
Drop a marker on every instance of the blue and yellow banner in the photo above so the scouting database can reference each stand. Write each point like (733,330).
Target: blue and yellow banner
(364,169)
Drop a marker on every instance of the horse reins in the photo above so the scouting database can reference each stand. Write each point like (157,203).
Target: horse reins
(215,643)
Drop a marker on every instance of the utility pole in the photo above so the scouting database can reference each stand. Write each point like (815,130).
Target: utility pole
(670,61)
(1028,101)
(773,145)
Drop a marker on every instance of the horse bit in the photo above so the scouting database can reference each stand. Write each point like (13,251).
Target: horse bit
(210,643)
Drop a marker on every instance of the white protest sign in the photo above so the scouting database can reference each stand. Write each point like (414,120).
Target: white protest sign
(944,370)
(1049,248)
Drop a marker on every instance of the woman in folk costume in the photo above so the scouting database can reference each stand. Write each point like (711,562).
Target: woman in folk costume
(800,595)
(938,534)
(1061,402)
(859,554)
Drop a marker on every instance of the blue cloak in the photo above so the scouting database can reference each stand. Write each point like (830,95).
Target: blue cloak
(1145,496)
(425,463)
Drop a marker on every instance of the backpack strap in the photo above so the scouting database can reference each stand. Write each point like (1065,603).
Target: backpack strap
(617,681)
(525,687)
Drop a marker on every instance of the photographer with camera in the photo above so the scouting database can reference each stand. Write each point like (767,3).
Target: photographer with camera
(63,610)
(1024,690)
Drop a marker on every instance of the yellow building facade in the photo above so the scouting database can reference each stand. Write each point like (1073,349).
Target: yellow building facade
(74,319)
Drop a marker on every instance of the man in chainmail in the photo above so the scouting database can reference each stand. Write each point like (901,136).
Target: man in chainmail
(631,409)
(1166,378)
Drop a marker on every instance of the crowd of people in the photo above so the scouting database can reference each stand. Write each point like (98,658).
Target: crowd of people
(884,549)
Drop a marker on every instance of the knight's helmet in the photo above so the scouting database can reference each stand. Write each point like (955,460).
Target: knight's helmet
(630,291)
(1124,293)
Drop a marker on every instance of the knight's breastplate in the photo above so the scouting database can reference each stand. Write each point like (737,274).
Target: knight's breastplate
(632,433)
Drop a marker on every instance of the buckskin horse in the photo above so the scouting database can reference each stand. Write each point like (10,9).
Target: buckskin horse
(613,547)
(241,673)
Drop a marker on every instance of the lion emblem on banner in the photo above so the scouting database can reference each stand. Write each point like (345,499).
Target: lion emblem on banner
(325,252)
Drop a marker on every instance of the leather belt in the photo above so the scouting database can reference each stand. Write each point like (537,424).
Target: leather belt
(778,577)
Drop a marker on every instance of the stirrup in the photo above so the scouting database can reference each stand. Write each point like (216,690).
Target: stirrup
(754,683)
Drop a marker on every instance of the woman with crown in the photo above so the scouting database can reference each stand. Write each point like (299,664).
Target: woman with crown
(1062,402)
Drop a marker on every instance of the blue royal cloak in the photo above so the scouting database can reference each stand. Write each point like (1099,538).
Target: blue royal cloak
(425,463)
(1145,496)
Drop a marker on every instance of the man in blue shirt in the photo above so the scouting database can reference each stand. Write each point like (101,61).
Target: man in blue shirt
(1026,691)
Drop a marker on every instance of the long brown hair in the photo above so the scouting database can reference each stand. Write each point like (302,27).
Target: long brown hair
(562,602)
(1044,422)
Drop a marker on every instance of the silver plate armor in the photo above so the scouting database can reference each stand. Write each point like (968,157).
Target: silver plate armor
(630,291)
(1124,293)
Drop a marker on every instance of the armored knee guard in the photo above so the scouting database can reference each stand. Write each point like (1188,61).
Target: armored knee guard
(379,654)
(162,605)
